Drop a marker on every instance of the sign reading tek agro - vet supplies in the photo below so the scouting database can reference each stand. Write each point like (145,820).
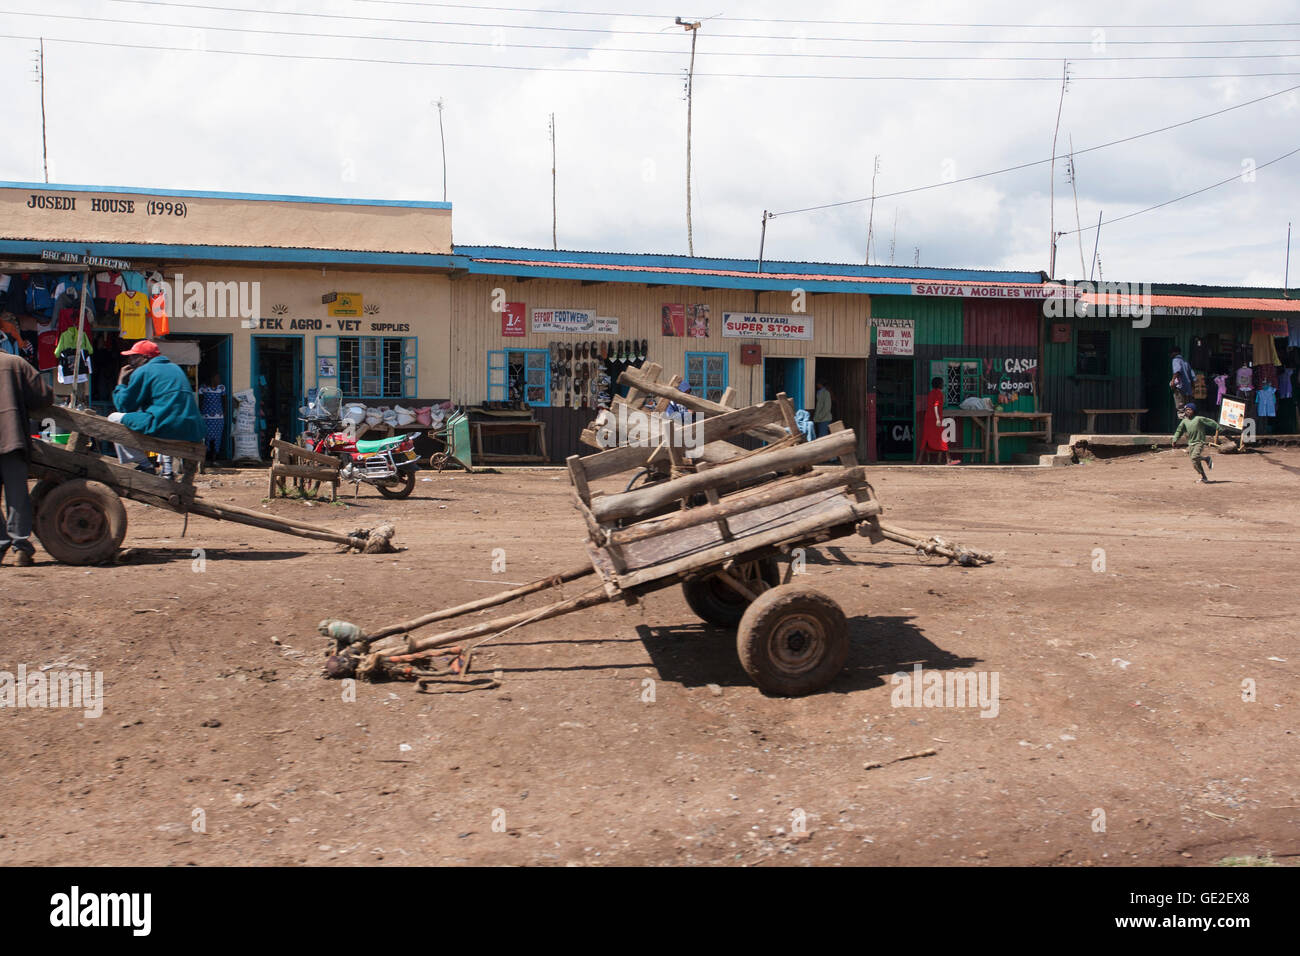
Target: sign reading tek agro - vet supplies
(761,325)
(564,320)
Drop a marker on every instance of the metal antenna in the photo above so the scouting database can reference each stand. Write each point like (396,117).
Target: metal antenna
(1096,259)
(554,213)
(45,154)
(1074,185)
(1051,214)
(693,28)
(443,138)
(762,238)
(871,214)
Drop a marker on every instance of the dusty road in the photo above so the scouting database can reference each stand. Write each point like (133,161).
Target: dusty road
(1119,734)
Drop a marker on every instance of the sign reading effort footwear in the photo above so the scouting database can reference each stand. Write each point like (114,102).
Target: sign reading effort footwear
(564,320)
(762,325)
(894,336)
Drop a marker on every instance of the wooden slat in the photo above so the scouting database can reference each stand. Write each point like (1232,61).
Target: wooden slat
(87,424)
(124,479)
(305,454)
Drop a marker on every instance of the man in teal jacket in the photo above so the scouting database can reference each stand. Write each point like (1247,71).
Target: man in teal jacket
(154,397)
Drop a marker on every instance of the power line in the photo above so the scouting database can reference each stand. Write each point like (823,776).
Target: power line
(388,61)
(1168,202)
(586,49)
(657,33)
(863,23)
(1040,162)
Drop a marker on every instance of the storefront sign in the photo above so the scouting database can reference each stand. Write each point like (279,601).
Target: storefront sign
(1272,327)
(1177,310)
(606,325)
(347,304)
(1009,378)
(564,320)
(762,325)
(72,258)
(966,291)
(1233,413)
(512,319)
(894,336)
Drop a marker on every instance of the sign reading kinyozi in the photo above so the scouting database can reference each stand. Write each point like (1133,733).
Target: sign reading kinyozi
(894,336)
(564,320)
(761,325)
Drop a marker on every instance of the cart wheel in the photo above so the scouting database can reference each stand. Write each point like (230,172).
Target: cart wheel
(399,486)
(716,603)
(39,491)
(793,641)
(81,522)
(438,460)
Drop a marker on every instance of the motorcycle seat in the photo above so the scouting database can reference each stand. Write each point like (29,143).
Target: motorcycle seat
(379,444)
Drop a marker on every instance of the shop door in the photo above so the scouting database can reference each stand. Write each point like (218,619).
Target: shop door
(847,380)
(895,409)
(783,375)
(1157,369)
(277,383)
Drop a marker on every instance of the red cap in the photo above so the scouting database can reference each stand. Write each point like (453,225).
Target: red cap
(144,347)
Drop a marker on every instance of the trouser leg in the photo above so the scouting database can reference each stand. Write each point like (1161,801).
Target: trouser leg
(16,530)
(127,456)
(1198,461)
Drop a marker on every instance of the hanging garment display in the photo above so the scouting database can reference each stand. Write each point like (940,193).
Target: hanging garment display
(133,308)
(1220,382)
(1266,402)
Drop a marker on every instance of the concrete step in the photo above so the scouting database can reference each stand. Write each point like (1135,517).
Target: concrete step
(1046,456)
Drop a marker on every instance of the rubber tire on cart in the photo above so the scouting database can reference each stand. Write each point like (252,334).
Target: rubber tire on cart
(793,641)
(714,602)
(399,486)
(39,491)
(81,522)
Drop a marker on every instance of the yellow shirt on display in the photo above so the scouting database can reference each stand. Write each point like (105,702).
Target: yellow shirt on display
(133,307)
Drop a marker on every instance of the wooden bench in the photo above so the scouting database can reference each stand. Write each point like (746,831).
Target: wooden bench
(302,465)
(1132,414)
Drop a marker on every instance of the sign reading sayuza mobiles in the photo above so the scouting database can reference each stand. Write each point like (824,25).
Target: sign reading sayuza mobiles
(969,291)
(762,325)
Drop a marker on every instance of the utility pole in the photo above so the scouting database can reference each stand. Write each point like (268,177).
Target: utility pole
(893,238)
(762,238)
(871,215)
(693,28)
(1286,272)
(1078,226)
(1051,200)
(1095,241)
(554,214)
(45,155)
(443,139)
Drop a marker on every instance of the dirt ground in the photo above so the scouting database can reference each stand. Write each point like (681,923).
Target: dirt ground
(632,736)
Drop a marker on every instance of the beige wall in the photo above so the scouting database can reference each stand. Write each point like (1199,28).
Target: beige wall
(420,301)
(78,216)
(841,327)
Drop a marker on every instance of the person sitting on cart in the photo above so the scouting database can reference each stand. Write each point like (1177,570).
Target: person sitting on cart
(21,391)
(154,397)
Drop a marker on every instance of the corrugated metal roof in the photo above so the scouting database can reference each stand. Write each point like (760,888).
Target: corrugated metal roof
(1236,303)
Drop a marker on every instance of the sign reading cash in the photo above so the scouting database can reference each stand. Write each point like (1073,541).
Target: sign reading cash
(761,325)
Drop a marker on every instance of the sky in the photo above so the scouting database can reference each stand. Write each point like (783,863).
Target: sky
(791,106)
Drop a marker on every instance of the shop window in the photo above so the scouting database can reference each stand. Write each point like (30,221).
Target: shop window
(520,375)
(707,374)
(1092,353)
(373,367)
(961,378)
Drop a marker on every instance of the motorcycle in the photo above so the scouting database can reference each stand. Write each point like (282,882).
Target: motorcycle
(387,463)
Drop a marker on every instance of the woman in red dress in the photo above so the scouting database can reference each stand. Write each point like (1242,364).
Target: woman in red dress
(932,439)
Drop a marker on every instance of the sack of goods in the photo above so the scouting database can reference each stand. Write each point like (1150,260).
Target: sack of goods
(356,414)
(424,415)
(389,416)
(374,416)
(405,416)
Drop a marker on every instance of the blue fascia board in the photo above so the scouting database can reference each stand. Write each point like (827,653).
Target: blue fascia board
(254,254)
(651,261)
(206,194)
(649,276)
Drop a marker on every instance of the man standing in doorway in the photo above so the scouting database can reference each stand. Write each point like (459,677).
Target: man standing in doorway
(1181,383)
(21,390)
(822,410)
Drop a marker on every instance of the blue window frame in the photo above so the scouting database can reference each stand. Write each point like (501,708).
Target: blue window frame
(707,374)
(520,375)
(369,366)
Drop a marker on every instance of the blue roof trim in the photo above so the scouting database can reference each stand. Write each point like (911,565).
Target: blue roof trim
(121,250)
(696,280)
(651,261)
(205,194)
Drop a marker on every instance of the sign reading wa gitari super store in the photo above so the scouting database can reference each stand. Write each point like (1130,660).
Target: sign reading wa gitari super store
(762,325)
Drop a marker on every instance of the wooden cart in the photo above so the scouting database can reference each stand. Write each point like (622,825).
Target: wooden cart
(715,519)
(77,500)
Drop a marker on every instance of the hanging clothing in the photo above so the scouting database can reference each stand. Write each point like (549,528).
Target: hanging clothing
(1265,353)
(69,340)
(1198,387)
(1265,375)
(134,282)
(46,355)
(1293,340)
(1266,402)
(1285,382)
(108,285)
(1221,382)
(1245,379)
(158,313)
(133,307)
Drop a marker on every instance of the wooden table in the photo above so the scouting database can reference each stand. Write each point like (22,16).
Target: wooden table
(1132,414)
(536,431)
(981,419)
(1045,432)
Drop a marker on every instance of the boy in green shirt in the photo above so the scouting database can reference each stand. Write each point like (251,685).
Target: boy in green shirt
(1196,427)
